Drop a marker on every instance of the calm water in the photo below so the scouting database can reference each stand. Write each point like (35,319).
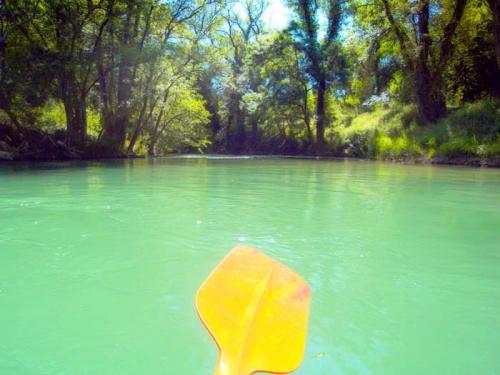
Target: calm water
(99,262)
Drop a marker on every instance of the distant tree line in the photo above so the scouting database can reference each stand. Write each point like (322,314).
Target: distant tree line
(126,77)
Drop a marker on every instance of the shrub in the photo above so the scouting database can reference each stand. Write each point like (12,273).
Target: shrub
(406,147)
(401,146)
(395,132)
(480,120)
(459,147)
(491,150)
(384,146)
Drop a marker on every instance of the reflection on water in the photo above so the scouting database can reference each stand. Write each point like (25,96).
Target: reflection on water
(99,261)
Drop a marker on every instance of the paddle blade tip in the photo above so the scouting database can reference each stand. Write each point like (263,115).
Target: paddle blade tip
(256,310)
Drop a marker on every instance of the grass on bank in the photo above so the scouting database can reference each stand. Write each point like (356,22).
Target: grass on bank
(471,132)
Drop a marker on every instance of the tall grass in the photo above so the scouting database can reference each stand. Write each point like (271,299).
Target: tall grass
(472,131)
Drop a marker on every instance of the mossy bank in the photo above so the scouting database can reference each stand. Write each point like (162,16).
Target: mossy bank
(467,136)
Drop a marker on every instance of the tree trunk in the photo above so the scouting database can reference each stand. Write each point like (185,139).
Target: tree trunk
(138,127)
(115,130)
(104,90)
(5,106)
(428,88)
(431,103)
(428,84)
(307,118)
(320,115)
(75,109)
(155,137)
(139,122)
(495,9)
(254,135)
(152,145)
(154,134)
(239,124)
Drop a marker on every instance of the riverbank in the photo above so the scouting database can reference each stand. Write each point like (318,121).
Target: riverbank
(458,161)
(468,136)
(27,144)
(62,153)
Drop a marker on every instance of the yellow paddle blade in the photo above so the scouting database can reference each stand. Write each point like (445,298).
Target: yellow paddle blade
(256,310)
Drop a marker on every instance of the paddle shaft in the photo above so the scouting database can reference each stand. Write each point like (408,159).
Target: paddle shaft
(228,368)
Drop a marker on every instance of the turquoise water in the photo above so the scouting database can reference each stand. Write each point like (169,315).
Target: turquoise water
(100,262)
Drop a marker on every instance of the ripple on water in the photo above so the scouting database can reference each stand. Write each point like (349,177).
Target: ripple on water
(100,262)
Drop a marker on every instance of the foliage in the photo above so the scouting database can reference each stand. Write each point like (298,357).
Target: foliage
(366,78)
(393,133)
(52,116)
(185,123)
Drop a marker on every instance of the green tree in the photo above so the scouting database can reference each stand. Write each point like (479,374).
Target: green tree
(243,26)
(425,52)
(495,10)
(320,54)
(279,100)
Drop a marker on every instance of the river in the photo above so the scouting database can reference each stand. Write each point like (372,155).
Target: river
(100,262)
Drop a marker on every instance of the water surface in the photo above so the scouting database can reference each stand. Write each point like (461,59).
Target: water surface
(100,262)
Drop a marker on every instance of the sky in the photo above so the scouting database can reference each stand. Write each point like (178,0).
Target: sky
(277,15)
